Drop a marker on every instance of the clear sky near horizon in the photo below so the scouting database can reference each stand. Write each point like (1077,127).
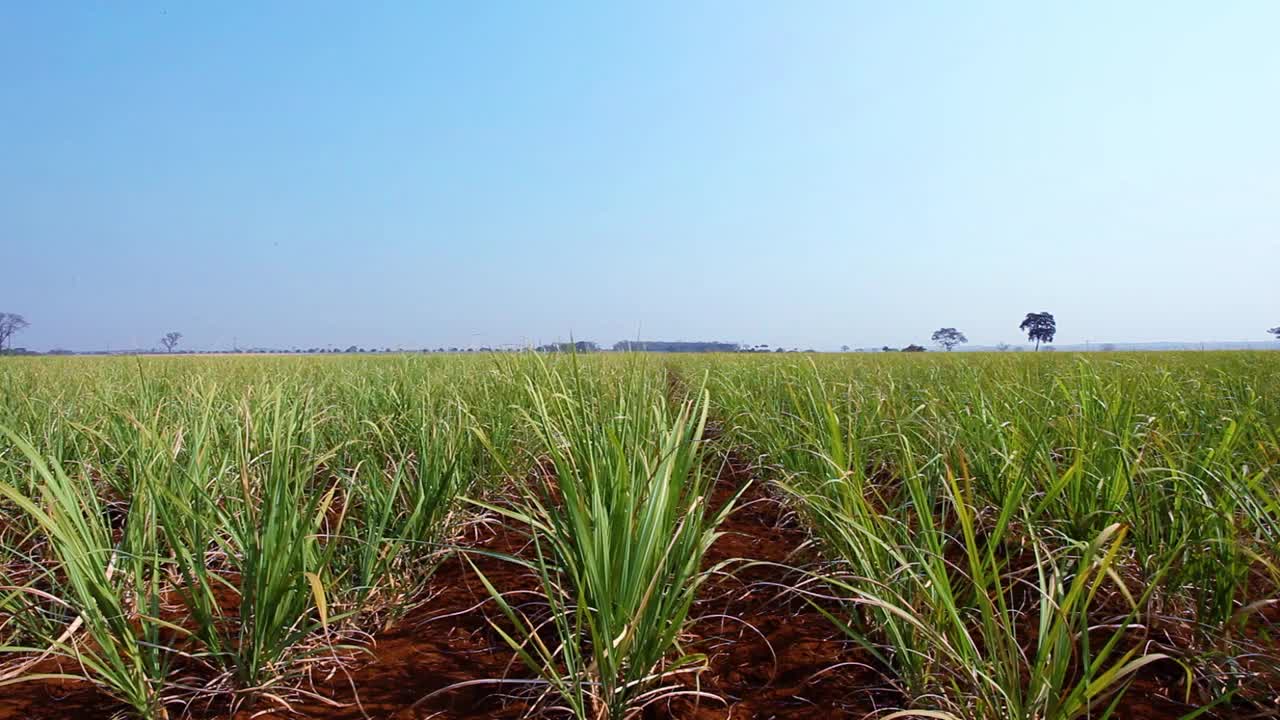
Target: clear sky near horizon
(800,174)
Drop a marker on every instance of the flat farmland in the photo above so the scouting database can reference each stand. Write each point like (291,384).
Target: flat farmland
(1031,536)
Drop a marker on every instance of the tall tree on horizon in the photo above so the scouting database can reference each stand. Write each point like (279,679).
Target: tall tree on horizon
(170,341)
(949,338)
(1275,331)
(10,324)
(1039,327)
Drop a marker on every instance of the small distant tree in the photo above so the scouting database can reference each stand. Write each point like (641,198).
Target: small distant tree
(11,324)
(1003,347)
(844,348)
(170,341)
(949,338)
(1039,327)
(913,348)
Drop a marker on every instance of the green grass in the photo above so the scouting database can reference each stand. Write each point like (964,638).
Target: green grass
(1006,536)
(1122,505)
(620,529)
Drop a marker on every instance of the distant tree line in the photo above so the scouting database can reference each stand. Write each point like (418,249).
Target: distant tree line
(582,346)
(1040,328)
(679,346)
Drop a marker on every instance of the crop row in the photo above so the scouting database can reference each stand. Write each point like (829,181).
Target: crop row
(1003,536)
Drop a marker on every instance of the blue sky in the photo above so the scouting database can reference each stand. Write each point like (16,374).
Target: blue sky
(810,174)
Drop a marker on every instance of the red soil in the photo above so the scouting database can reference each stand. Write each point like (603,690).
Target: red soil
(54,699)
(447,641)
(770,654)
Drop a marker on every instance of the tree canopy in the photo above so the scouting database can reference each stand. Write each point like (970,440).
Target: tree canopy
(10,324)
(949,338)
(1040,327)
